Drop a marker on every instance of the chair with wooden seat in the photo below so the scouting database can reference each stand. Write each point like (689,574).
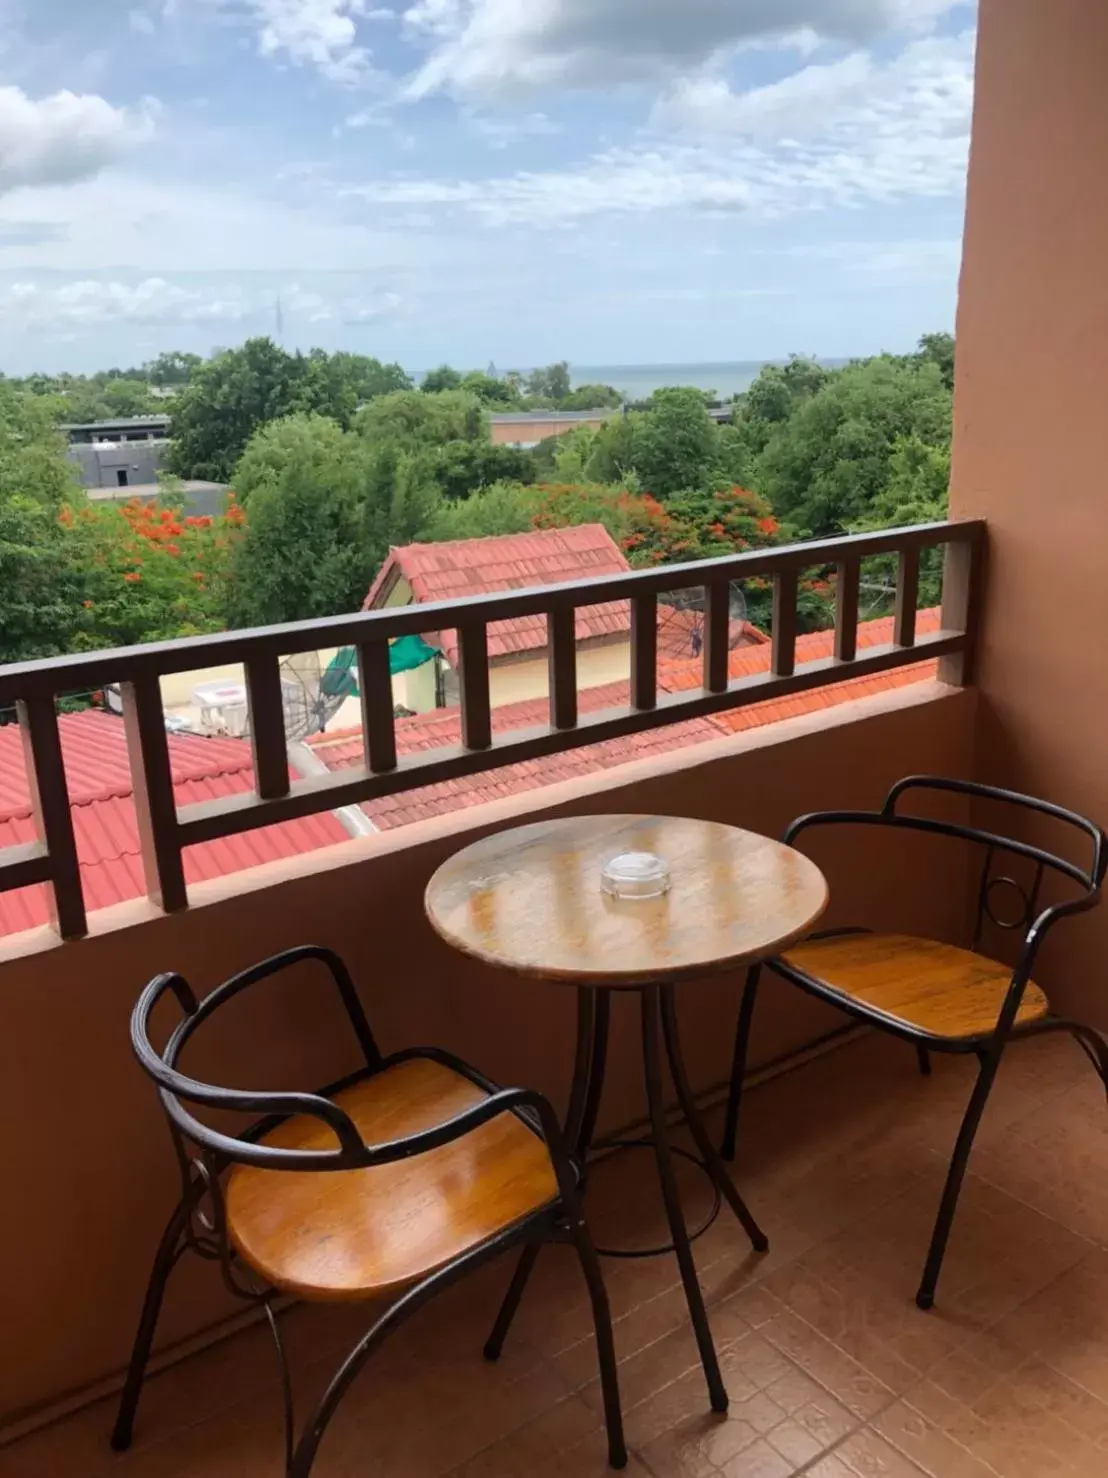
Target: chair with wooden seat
(388,1184)
(936,996)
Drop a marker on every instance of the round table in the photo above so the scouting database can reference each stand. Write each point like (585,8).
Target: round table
(529,900)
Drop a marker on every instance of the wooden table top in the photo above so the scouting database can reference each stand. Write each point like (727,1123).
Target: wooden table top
(530,900)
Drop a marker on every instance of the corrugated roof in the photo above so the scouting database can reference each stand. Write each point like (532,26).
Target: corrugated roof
(458,568)
(104,821)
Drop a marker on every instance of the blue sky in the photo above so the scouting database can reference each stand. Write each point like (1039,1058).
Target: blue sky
(608,181)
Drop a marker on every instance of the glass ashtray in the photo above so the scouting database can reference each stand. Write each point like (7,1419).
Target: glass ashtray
(635,875)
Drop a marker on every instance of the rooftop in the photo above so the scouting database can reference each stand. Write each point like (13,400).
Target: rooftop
(458,568)
(100,787)
(531,418)
(119,423)
(101,797)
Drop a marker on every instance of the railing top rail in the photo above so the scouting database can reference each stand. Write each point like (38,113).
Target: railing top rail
(82,671)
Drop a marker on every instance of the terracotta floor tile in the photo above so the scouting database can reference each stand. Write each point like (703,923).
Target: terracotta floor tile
(929,1446)
(864,1455)
(759,1460)
(831,1370)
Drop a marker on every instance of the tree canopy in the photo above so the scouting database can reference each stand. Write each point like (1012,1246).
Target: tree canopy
(228,398)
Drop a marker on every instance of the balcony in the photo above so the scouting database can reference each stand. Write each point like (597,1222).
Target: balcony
(831,1369)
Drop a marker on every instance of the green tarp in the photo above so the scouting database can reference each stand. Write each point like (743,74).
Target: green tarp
(404,654)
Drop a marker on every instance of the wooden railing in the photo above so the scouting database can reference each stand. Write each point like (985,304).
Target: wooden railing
(165,830)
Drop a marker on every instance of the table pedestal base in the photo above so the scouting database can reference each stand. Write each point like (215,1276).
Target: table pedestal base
(659,1027)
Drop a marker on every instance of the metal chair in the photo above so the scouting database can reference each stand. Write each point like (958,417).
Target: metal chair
(940,998)
(395,1180)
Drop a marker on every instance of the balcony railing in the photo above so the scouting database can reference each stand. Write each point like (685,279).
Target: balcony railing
(165,830)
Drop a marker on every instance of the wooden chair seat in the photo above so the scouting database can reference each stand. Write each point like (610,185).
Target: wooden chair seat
(351,1234)
(951,994)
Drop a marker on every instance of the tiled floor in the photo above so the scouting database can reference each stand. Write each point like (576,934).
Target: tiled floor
(831,1370)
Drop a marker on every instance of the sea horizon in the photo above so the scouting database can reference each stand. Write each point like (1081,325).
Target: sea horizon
(638,381)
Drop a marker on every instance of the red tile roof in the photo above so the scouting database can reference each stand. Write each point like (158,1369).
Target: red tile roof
(104,821)
(95,753)
(461,567)
(443,728)
(679,677)
(340,751)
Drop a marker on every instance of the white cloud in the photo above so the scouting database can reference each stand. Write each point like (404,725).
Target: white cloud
(855,134)
(47,305)
(141,22)
(499,131)
(314,33)
(89,302)
(912,262)
(503,46)
(928,85)
(64,137)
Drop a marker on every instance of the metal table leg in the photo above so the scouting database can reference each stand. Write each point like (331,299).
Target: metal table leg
(650,1000)
(711,1159)
(594,1011)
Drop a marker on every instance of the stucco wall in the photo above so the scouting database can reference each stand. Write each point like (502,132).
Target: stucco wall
(1031,442)
(87,1161)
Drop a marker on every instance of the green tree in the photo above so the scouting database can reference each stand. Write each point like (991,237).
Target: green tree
(172,369)
(488,388)
(303,483)
(414,419)
(126,397)
(552,382)
(503,508)
(336,385)
(916,492)
(675,443)
(612,455)
(824,468)
(460,468)
(939,350)
(226,400)
(591,398)
(443,378)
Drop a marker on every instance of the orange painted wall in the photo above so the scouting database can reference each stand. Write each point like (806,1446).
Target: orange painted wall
(509,432)
(1031,442)
(86,1158)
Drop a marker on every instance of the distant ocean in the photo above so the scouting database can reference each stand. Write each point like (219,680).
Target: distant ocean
(637,381)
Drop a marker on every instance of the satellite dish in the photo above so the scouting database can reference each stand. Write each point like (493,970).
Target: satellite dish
(310,696)
(693,601)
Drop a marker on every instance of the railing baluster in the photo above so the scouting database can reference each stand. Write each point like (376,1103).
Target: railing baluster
(644,651)
(155,804)
(378,724)
(561,652)
(267,727)
(846,611)
(717,636)
(907,598)
(473,681)
(963,593)
(49,793)
(783,660)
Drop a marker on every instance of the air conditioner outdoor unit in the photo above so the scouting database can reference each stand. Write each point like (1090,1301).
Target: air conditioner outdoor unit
(223,707)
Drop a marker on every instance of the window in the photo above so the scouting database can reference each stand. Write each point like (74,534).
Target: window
(121,477)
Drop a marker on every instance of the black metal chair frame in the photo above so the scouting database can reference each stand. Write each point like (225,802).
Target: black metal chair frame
(204,1155)
(988,1047)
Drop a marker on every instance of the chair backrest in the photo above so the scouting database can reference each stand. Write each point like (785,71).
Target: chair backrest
(175,1089)
(1087,879)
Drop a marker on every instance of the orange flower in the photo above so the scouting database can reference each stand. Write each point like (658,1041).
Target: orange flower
(132,577)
